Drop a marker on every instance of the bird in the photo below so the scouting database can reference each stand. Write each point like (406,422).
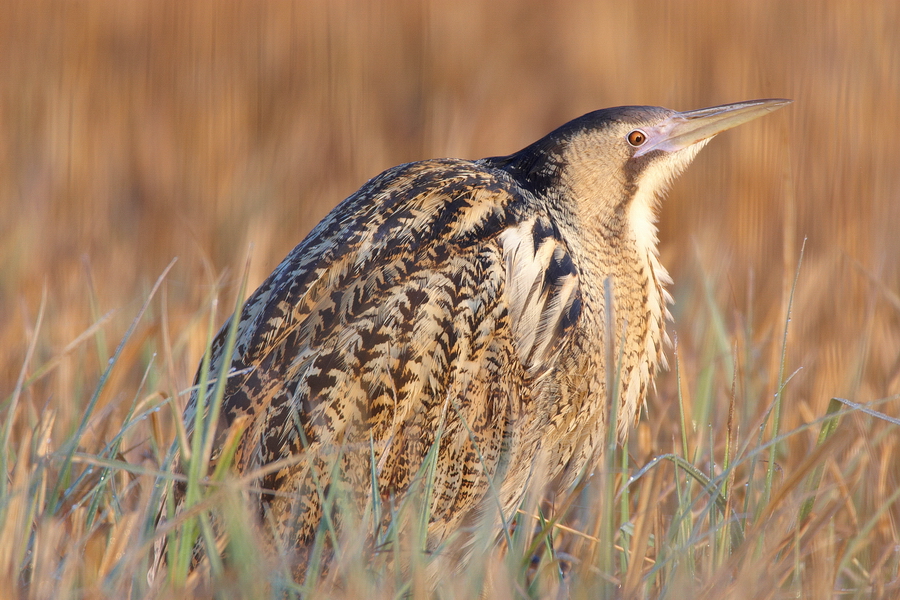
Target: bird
(478,317)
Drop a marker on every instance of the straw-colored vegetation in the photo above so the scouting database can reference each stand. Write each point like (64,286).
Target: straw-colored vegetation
(132,133)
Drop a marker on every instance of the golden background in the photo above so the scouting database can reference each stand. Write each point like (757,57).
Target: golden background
(135,132)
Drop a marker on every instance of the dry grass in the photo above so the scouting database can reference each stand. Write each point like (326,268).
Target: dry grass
(135,132)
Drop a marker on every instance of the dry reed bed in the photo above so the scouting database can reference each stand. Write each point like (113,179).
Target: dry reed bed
(132,133)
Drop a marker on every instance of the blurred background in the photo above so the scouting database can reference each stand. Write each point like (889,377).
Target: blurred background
(135,132)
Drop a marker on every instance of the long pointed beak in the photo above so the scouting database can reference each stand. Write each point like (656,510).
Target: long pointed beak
(687,128)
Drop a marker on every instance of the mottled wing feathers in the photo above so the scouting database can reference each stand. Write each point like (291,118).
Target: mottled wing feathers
(400,213)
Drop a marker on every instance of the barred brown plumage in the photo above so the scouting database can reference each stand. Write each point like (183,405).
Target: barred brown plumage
(466,297)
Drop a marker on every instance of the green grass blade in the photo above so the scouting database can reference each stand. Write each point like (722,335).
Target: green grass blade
(779,395)
(815,478)
(55,496)
(5,451)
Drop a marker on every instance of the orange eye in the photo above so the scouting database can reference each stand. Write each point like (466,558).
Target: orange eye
(637,138)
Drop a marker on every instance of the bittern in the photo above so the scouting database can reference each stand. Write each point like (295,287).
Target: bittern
(464,311)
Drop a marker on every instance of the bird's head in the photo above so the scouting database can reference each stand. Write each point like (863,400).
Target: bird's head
(610,166)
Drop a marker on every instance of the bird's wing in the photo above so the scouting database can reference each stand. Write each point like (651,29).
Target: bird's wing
(412,220)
